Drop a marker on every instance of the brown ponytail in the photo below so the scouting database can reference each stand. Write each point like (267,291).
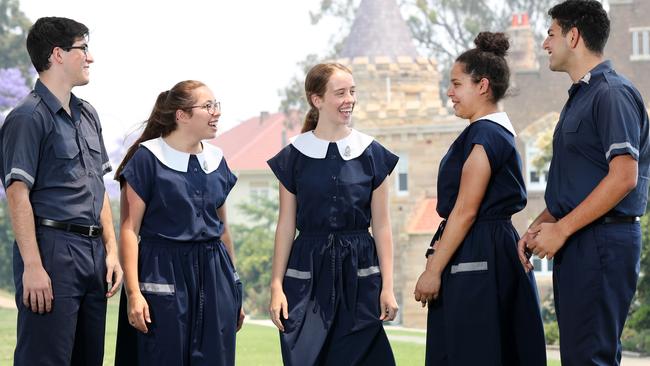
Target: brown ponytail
(316,84)
(162,120)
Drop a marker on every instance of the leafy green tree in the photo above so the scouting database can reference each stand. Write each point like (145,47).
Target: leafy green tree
(254,250)
(6,248)
(14,26)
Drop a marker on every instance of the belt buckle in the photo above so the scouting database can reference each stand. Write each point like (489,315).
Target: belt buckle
(91,230)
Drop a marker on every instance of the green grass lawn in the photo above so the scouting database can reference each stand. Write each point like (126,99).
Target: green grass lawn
(256,345)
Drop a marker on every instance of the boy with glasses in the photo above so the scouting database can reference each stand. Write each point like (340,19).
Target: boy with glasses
(52,162)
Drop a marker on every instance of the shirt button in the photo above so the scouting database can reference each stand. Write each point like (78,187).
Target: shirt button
(90,174)
(334,177)
(195,170)
(198,192)
(334,198)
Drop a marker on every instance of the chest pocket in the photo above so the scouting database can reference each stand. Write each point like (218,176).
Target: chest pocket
(571,125)
(68,162)
(95,150)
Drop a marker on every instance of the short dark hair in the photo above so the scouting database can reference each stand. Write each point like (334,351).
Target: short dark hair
(488,61)
(588,16)
(50,32)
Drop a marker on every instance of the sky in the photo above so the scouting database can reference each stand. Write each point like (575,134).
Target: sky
(244,50)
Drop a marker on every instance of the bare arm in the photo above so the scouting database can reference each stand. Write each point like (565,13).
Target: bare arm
(619,181)
(37,287)
(473,184)
(131,213)
(381,231)
(284,235)
(113,268)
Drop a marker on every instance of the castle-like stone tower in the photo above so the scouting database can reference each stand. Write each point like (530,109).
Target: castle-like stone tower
(399,104)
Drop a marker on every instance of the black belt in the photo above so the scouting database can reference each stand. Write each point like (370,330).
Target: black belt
(617,220)
(91,231)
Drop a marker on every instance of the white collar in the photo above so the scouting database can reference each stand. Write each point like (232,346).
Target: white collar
(501,118)
(209,158)
(350,147)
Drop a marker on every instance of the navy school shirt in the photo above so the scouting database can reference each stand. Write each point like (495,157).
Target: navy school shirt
(506,192)
(181,191)
(604,117)
(61,158)
(333,181)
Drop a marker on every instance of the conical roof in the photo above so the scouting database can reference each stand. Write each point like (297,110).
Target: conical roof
(379,30)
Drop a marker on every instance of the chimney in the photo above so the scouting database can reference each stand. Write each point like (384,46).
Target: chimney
(523,47)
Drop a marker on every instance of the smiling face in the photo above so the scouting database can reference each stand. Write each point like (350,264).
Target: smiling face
(338,102)
(76,62)
(466,95)
(200,123)
(558,47)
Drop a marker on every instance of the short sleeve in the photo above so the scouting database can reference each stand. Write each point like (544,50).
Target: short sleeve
(139,172)
(618,122)
(383,163)
(493,141)
(20,142)
(229,177)
(283,165)
(106,163)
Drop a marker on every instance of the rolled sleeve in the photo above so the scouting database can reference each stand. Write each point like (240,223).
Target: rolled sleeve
(20,141)
(618,123)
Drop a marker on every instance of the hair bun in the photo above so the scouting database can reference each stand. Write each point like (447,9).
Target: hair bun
(496,43)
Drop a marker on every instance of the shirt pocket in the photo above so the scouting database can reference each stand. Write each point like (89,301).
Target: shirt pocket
(95,150)
(67,163)
(571,125)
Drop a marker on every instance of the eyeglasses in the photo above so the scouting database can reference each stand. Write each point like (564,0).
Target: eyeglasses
(211,107)
(83,48)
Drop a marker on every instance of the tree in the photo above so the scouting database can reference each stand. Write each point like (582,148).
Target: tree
(254,250)
(14,26)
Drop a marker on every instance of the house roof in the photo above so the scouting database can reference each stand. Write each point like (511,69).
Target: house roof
(250,144)
(424,219)
(379,30)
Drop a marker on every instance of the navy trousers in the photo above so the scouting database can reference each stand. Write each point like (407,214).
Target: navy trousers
(594,280)
(73,332)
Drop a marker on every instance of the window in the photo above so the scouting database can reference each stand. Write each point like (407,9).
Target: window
(259,190)
(402,180)
(640,43)
(536,178)
(542,266)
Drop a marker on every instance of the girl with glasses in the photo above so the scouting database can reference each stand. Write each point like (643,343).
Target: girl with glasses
(181,304)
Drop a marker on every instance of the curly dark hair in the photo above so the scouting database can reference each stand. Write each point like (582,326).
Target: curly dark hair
(50,32)
(488,61)
(588,16)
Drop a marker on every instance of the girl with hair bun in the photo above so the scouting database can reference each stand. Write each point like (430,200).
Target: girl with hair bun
(332,286)
(181,302)
(483,305)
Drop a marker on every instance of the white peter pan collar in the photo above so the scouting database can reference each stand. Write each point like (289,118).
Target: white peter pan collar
(501,118)
(209,158)
(350,147)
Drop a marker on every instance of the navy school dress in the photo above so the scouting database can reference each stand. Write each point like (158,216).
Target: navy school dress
(185,273)
(488,309)
(333,282)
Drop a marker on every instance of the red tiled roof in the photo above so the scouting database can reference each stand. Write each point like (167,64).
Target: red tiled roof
(425,219)
(250,144)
